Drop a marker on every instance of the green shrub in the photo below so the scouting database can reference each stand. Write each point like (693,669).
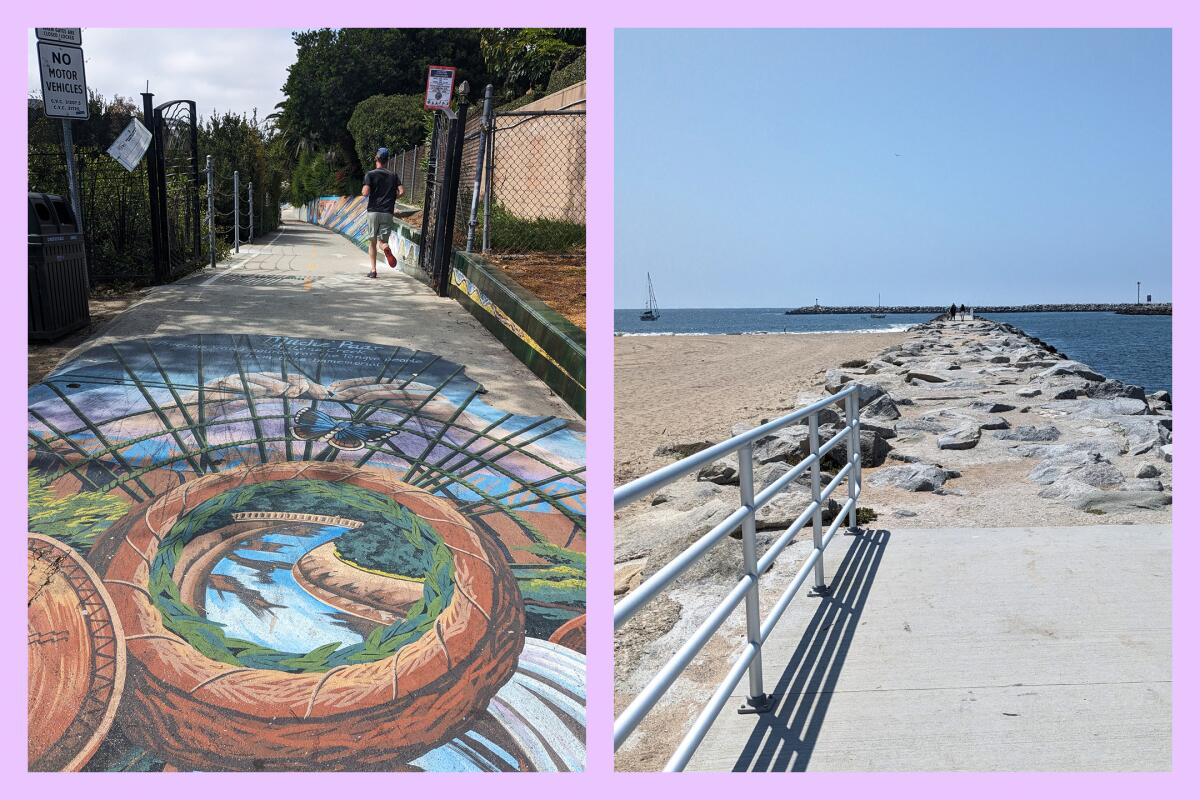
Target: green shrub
(514,234)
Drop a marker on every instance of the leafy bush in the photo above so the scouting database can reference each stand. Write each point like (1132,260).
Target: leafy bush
(397,121)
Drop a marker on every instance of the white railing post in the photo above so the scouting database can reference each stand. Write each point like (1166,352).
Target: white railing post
(819,589)
(758,700)
(853,450)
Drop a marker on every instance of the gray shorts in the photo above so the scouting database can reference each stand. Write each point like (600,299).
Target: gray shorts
(379,225)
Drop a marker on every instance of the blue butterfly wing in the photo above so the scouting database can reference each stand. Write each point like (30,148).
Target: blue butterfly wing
(355,435)
(312,423)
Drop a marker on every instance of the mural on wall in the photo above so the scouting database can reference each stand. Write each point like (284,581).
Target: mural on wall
(270,553)
(348,216)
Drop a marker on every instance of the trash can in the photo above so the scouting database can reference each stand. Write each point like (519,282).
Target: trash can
(58,275)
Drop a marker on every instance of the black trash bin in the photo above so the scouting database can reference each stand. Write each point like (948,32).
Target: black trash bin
(58,275)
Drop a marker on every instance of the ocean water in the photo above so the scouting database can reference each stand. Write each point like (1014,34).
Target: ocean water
(1134,349)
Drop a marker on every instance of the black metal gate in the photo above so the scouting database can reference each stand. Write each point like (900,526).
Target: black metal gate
(441,197)
(174,176)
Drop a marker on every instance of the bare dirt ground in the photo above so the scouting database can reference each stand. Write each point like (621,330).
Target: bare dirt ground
(558,280)
(105,304)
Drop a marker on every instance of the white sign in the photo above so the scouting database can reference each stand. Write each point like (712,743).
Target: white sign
(61,35)
(131,145)
(64,87)
(439,88)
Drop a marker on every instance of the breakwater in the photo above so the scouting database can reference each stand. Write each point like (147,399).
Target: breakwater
(1116,308)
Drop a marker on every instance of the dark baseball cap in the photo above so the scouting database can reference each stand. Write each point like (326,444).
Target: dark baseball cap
(382,154)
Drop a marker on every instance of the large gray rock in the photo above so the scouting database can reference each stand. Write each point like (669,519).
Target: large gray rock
(1166,452)
(786,507)
(990,407)
(722,471)
(913,477)
(963,438)
(886,431)
(1071,368)
(997,424)
(1105,446)
(924,375)
(1147,470)
(826,416)
(835,379)
(1107,390)
(1143,434)
(1119,501)
(1029,391)
(789,445)
(1029,433)
(883,408)
(873,447)
(1104,409)
(1087,468)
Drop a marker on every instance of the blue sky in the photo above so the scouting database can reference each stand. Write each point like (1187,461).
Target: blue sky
(760,167)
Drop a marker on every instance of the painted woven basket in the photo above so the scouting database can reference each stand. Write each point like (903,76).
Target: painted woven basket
(204,714)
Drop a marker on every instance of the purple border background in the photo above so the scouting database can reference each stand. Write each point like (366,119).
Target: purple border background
(599,782)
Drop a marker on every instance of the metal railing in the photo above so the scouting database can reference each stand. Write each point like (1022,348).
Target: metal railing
(757,629)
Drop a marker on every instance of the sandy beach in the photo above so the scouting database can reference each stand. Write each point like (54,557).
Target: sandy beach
(672,389)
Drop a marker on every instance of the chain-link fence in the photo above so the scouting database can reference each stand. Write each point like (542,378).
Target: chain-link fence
(526,172)
(411,165)
(535,185)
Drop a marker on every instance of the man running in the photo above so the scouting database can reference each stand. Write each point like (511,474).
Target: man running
(381,187)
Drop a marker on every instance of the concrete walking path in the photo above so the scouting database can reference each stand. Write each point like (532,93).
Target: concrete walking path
(1008,649)
(305,281)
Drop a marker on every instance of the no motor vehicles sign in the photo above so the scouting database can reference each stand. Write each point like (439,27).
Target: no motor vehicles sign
(64,86)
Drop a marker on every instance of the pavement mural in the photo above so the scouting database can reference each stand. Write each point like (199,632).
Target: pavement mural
(272,553)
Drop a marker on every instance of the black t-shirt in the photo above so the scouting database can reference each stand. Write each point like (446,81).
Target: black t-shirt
(383,184)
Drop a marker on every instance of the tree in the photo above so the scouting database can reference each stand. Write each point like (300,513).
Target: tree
(521,59)
(336,69)
(397,121)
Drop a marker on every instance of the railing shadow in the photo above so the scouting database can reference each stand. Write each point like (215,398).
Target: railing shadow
(783,740)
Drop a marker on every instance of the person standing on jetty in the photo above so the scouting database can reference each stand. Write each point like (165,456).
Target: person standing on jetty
(953,310)
(381,187)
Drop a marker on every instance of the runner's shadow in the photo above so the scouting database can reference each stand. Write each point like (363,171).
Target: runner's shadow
(783,740)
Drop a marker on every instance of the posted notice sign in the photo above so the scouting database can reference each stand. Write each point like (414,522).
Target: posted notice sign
(439,88)
(60,35)
(64,87)
(131,145)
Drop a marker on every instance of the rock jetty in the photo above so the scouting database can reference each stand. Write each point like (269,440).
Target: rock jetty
(1118,308)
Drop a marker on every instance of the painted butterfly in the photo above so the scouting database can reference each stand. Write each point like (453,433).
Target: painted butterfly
(344,434)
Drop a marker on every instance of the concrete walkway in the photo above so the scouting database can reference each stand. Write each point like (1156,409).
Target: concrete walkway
(989,649)
(306,281)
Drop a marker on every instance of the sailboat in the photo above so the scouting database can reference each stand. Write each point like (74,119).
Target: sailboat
(878,307)
(651,312)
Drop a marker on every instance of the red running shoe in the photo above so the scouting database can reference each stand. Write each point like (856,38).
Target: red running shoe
(391,259)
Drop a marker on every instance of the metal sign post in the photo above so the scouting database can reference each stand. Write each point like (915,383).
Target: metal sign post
(237,219)
(64,93)
(250,224)
(212,227)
